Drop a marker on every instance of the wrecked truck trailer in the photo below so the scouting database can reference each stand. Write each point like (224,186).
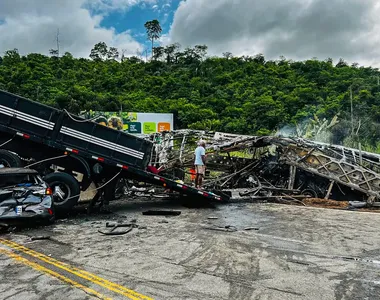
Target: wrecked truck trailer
(39,136)
(354,173)
(269,166)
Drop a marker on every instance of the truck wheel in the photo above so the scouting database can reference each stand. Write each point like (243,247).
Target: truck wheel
(9,159)
(66,191)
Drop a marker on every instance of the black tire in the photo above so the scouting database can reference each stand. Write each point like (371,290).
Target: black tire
(70,188)
(9,159)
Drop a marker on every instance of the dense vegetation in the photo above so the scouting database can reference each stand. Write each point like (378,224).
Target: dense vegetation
(247,95)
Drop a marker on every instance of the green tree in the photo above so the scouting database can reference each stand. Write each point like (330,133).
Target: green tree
(170,52)
(11,57)
(112,53)
(153,31)
(99,52)
(158,52)
(54,52)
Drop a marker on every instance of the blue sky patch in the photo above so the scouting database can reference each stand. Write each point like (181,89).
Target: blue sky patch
(134,18)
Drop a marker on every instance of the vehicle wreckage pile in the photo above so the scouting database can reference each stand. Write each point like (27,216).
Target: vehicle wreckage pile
(265,167)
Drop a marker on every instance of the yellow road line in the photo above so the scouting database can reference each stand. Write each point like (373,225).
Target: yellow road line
(131,294)
(54,274)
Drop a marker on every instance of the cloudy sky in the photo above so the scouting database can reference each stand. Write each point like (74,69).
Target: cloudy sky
(296,29)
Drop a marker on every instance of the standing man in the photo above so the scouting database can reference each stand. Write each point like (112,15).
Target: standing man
(200,164)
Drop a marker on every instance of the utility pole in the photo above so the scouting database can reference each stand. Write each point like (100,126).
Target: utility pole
(38,90)
(57,40)
(352,112)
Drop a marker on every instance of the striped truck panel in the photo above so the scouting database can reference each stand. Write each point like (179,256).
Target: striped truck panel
(70,132)
(26,117)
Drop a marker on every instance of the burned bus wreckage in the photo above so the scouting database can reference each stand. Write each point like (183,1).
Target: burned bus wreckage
(270,167)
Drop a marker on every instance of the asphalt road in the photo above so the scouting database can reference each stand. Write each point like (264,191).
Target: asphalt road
(288,253)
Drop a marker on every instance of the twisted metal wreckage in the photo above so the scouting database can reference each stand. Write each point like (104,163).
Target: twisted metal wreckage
(269,167)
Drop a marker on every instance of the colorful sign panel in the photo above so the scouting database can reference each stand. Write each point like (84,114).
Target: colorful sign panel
(133,127)
(132,122)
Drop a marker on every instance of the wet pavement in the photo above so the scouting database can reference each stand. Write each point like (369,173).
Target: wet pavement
(267,251)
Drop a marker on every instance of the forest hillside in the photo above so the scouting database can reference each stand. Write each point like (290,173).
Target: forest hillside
(323,100)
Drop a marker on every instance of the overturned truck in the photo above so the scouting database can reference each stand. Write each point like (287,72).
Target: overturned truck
(263,167)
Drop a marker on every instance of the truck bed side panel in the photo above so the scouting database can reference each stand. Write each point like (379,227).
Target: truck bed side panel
(104,142)
(27,116)
(57,129)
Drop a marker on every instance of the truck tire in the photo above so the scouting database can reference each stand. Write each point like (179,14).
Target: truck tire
(69,191)
(9,159)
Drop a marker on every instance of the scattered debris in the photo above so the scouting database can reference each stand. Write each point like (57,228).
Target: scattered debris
(40,237)
(114,226)
(162,213)
(324,203)
(357,204)
(4,228)
(299,262)
(251,228)
(227,228)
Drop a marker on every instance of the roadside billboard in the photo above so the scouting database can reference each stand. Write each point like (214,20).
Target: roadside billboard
(132,122)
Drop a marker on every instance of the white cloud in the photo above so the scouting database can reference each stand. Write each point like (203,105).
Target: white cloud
(112,5)
(161,6)
(31,26)
(297,29)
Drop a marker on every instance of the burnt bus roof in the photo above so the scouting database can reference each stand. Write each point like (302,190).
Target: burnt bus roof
(17,171)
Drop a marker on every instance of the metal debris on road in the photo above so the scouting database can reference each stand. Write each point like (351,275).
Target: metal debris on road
(163,221)
(40,237)
(162,213)
(251,228)
(114,226)
(227,228)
